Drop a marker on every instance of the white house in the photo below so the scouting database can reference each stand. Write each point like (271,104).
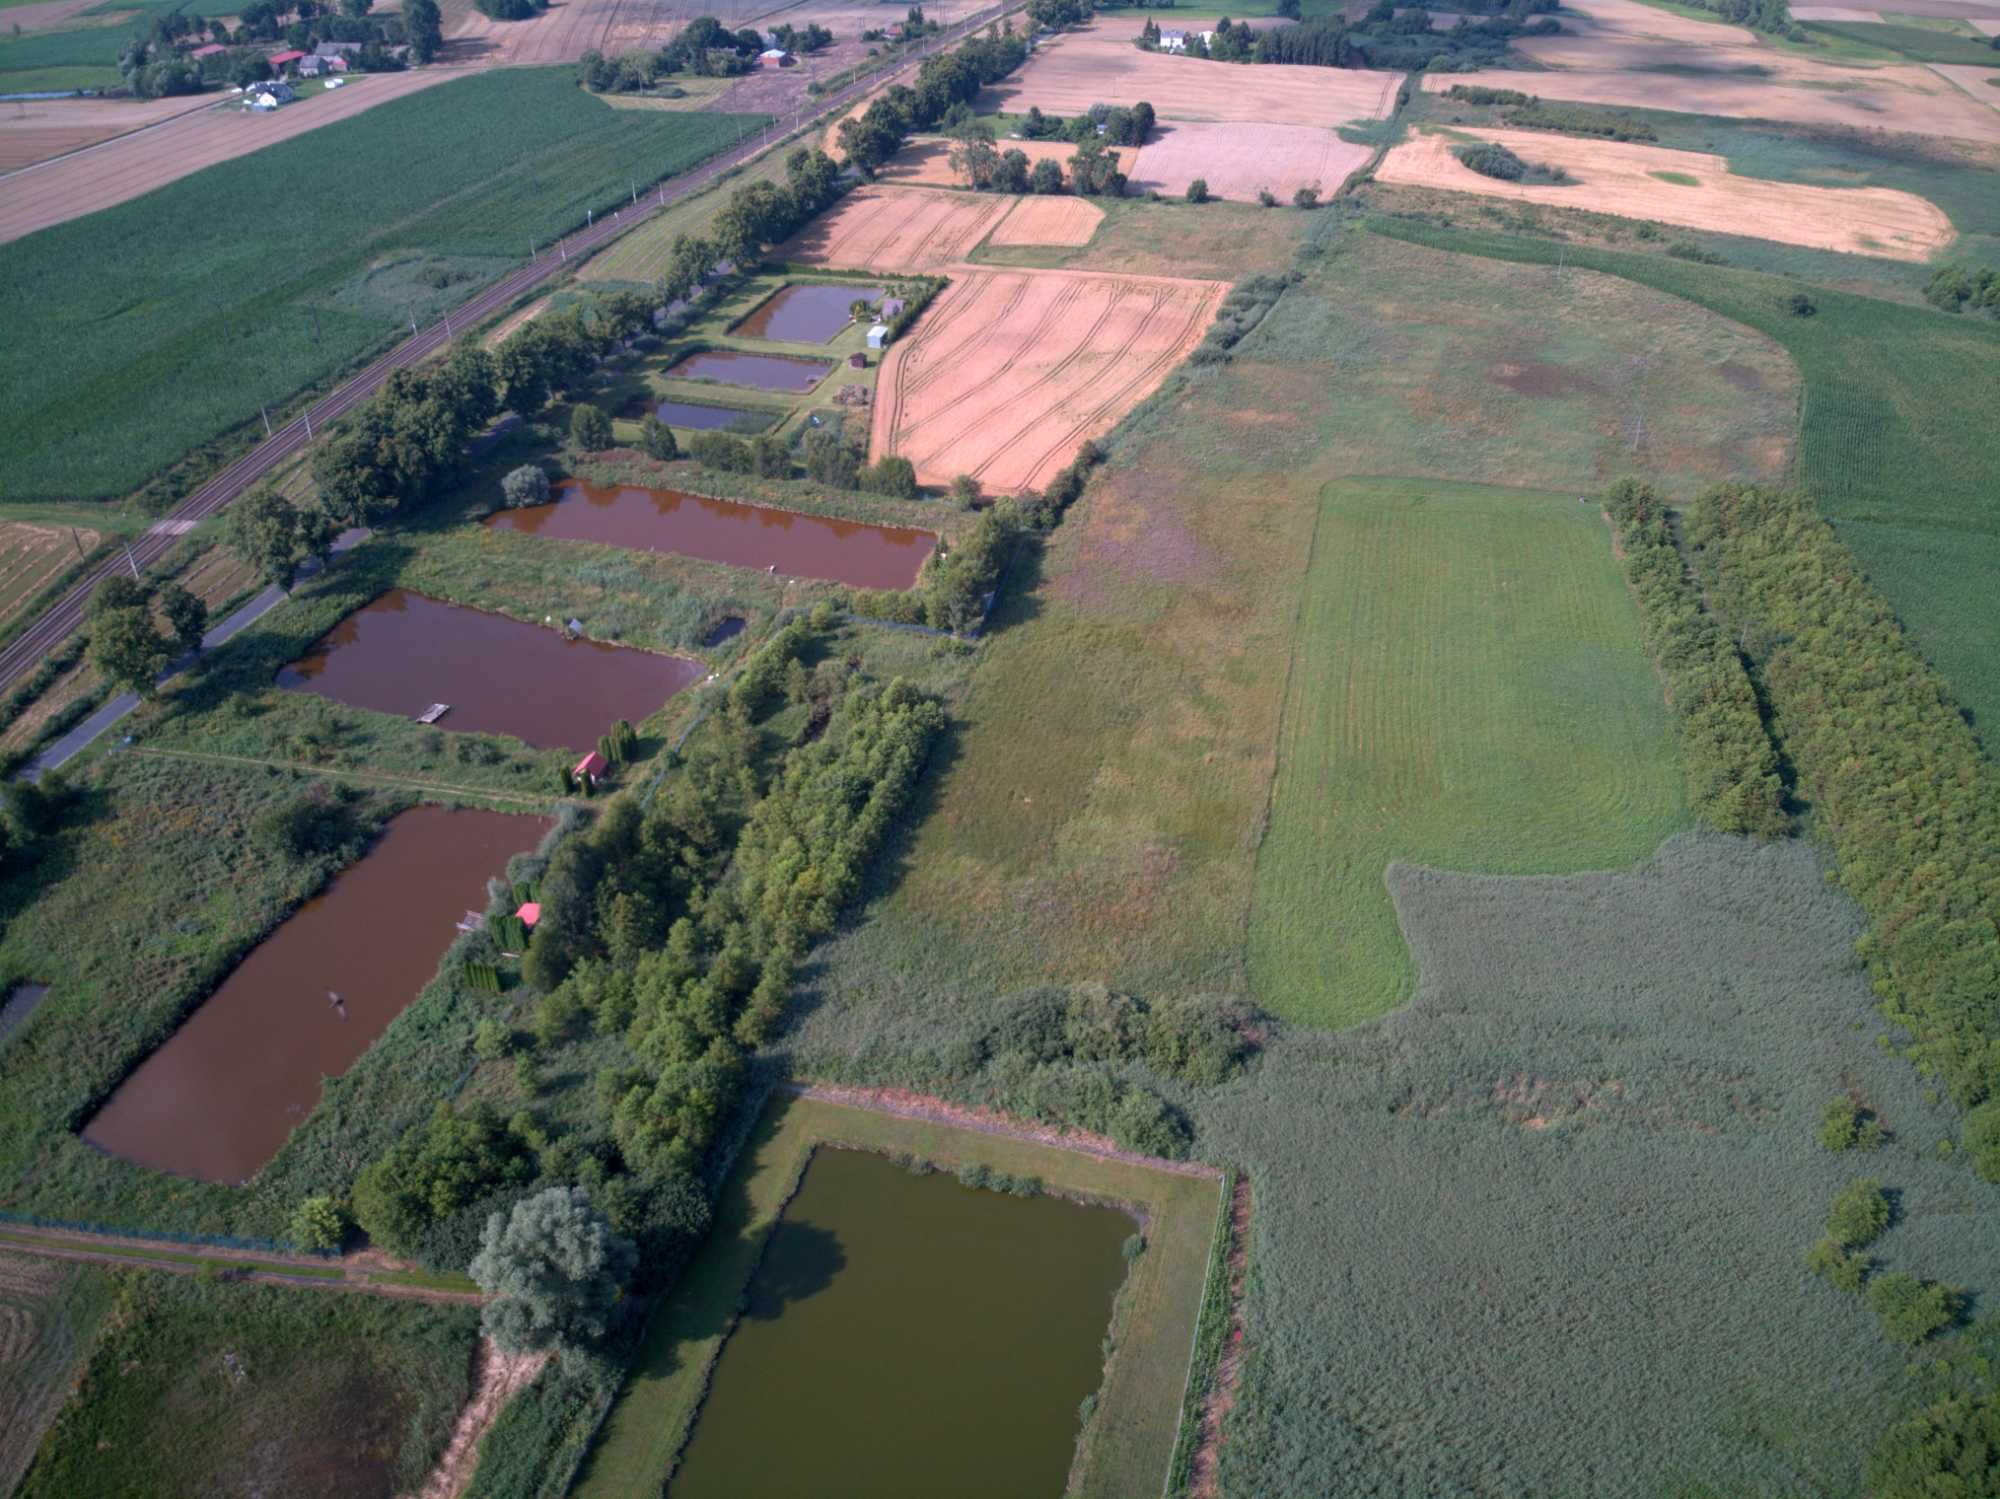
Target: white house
(1173,41)
(878,335)
(271,95)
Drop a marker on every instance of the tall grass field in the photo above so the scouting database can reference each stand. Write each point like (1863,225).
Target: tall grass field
(50,1314)
(1467,691)
(141,332)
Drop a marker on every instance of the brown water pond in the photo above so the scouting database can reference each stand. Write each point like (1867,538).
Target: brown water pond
(402,652)
(759,371)
(692,525)
(219,1097)
(805,313)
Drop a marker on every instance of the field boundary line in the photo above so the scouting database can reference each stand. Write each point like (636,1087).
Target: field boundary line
(111,140)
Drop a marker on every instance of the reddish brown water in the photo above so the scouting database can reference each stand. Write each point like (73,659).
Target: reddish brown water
(402,652)
(805,313)
(665,520)
(219,1097)
(759,371)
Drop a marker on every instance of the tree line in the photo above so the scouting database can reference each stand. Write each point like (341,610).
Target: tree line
(1387,36)
(951,80)
(1730,763)
(1899,785)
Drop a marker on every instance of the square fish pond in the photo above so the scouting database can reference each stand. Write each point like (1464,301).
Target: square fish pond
(403,652)
(920,1337)
(784,372)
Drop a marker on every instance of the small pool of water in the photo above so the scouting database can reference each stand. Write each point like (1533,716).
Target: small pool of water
(219,1096)
(402,652)
(758,371)
(698,418)
(725,629)
(806,312)
(920,1338)
(755,536)
(22,998)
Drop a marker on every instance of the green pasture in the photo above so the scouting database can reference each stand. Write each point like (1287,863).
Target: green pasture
(1895,441)
(1917,43)
(221,303)
(1467,691)
(51,1313)
(229,1389)
(1153,1324)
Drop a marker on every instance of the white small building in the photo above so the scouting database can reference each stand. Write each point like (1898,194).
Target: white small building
(878,336)
(1173,41)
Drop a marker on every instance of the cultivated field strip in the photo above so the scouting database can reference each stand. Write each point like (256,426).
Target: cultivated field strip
(899,229)
(1012,370)
(1236,160)
(30,556)
(55,626)
(1048,221)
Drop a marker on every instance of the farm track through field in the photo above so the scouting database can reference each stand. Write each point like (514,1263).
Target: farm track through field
(63,618)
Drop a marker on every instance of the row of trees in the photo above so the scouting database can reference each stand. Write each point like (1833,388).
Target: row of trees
(137,628)
(1731,765)
(1895,775)
(945,82)
(1387,36)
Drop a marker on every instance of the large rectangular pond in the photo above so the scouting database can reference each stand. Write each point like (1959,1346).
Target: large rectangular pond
(907,1337)
(692,525)
(402,652)
(221,1094)
(806,312)
(758,371)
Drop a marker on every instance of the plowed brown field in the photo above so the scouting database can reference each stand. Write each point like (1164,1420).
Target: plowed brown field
(1009,371)
(570,28)
(898,229)
(1236,160)
(1099,64)
(1617,178)
(39,129)
(89,180)
(1049,221)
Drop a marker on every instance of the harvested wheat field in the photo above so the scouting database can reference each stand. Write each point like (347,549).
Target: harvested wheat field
(1049,221)
(1645,182)
(898,229)
(1980,84)
(39,129)
(30,556)
(1237,160)
(927,162)
(1099,64)
(568,29)
(134,165)
(1909,99)
(1009,370)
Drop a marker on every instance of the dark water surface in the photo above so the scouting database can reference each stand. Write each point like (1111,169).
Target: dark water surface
(755,536)
(909,1338)
(402,652)
(805,313)
(221,1094)
(22,998)
(759,371)
(698,418)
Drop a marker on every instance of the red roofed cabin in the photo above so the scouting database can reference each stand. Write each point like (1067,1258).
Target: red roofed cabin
(774,57)
(590,767)
(530,913)
(280,61)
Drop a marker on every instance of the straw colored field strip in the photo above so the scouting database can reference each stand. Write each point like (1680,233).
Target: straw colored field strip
(899,229)
(1238,160)
(30,555)
(1010,370)
(1690,188)
(1049,221)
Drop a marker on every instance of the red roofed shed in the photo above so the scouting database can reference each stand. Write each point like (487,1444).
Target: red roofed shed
(591,766)
(530,913)
(283,60)
(213,49)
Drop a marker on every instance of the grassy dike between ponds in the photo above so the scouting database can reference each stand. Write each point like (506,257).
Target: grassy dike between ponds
(1129,1442)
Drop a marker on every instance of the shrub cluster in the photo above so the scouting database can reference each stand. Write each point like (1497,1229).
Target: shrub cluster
(1571,119)
(1732,768)
(1491,159)
(1241,311)
(1954,288)
(1899,784)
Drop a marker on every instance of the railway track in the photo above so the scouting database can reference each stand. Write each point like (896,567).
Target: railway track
(57,623)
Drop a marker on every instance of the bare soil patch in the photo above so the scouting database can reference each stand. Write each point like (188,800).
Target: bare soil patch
(134,165)
(1048,221)
(39,129)
(1981,84)
(30,555)
(898,229)
(1099,64)
(1622,178)
(496,1378)
(1236,160)
(1010,370)
(567,30)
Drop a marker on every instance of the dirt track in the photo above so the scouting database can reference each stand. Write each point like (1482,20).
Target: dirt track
(1623,179)
(898,229)
(1008,371)
(134,165)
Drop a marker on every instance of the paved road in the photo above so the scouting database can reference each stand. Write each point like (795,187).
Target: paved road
(63,617)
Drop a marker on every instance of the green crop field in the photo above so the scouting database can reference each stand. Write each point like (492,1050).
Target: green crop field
(50,1313)
(1896,441)
(1467,691)
(1918,43)
(237,1390)
(246,281)
(1153,1326)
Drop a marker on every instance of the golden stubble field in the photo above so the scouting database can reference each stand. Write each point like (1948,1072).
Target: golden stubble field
(1689,188)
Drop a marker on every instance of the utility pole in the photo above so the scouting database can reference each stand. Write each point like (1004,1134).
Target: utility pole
(130,563)
(309,421)
(267,420)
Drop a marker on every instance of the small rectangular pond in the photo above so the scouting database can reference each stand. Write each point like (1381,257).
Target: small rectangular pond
(806,312)
(784,372)
(402,652)
(695,417)
(666,520)
(910,1337)
(219,1096)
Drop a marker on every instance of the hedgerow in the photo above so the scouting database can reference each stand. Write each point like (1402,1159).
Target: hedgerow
(1731,766)
(1898,783)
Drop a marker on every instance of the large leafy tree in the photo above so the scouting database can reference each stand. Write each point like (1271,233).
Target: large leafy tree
(554,1270)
